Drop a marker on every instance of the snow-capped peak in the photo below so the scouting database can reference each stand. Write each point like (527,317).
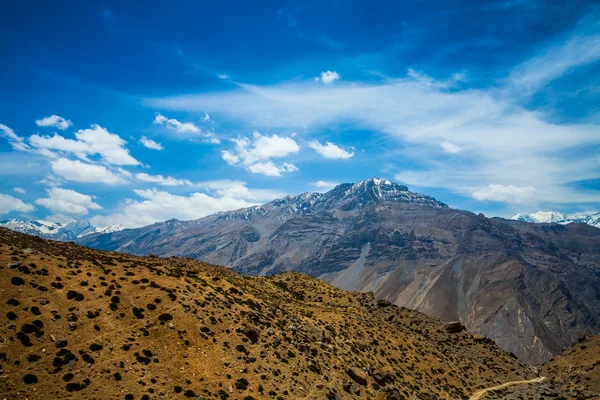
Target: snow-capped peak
(110,228)
(57,231)
(552,217)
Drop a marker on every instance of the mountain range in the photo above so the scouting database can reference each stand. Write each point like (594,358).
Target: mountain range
(551,217)
(56,230)
(532,288)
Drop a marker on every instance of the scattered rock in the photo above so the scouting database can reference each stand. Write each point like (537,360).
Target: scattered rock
(383,303)
(357,374)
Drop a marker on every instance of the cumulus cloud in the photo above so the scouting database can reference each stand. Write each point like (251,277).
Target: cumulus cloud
(330,150)
(161,180)
(9,203)
(269,168)
(325,185)
(255,154)
(95,140)
(328,77)
(155,205)
(19,190)
(450,148)
(67,202)
(239,190)
(151,144)
(175,125)
(77,171)
(505,193)
(54,121)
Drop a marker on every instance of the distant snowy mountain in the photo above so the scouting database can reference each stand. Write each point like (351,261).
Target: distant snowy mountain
(56,230)
(591,218)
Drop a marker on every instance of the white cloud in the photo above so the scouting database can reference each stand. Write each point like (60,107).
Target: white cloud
(238,190)
(95,140)
(16,141)
(54,121)
(151,144)
(19,190)
(328,77)
(268,168)
(158,206)
(450,148)
(511,143)
(67,202)
(9,204)
(555,62)
(206,117)
(325,185)
(330,150)
(427,80)
(211,138)
(175,125)
(75,170)
(255,154)
(505,193)
(161,180)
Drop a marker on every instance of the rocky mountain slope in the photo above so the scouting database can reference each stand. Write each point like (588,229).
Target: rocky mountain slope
(81,323)
(551,217)
(577,369)
(534,289)
(573,374)
(56,230)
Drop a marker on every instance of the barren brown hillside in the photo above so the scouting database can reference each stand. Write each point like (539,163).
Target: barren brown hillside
(81,323)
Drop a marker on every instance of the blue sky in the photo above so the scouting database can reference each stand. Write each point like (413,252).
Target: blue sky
(132,113)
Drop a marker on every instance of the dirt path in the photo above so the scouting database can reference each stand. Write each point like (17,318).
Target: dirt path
(478,395)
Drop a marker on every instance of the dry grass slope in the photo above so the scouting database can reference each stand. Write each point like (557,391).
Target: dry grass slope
(82,323)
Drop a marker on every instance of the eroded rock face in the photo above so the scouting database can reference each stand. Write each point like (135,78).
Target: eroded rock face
(532,288)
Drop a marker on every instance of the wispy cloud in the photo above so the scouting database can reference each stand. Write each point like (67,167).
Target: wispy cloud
(17,142)
(161,180)
(555,61)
